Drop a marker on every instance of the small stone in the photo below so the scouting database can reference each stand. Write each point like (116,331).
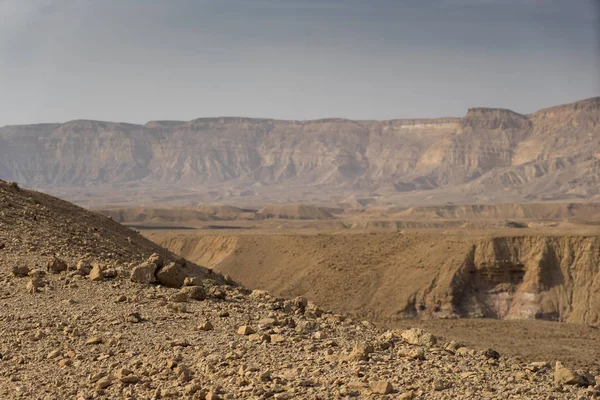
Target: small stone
(65,362)
(406,396)
(192,281)
(172,275)
(20,270)
(206,326)
(439,385)
(56,265)
(245,330)
(193,292)
(277,338)
(134,318)
(381,387)
(319,335)
(96,274)
(192,388)
(130,379)
(212,396)
(53,354)
(360,352)
(84,267)
(417,353)
(94,340)
(33,285)
(180,343)
(491,354)
(103,383)
(179,298)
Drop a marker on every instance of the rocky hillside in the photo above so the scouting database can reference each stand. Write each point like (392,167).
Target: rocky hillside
(77,321)
(489,153)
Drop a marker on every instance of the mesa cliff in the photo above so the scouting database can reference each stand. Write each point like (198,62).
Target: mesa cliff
(486,155)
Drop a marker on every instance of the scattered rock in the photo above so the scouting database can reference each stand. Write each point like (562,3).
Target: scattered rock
(173,274)
(94,340)
(360,352)
(418,337)
(96,274)
(56,265)
(134,318)
(145,272)
(20,270)
(565,376)
(206,326)
(381,387)
(245,330)
(84,267)
(194,292)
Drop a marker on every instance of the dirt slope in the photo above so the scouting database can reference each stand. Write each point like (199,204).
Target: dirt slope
(37,226)
(391,276)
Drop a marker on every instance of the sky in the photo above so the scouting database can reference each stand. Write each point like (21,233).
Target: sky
(141,60)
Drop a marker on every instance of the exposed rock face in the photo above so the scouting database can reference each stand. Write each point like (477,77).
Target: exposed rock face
(389,276)
(552,153)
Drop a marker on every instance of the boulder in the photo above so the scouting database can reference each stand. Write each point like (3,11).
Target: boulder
(418,337)
(172,275)
(144,273)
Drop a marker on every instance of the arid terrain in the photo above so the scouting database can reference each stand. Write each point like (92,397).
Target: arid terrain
(504,270)
(232,258)
(91,309)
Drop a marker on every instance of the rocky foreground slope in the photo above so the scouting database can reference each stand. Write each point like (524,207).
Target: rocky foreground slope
(489,154)
(90,325)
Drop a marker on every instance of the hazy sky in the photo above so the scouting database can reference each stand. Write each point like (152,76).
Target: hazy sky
(139,60)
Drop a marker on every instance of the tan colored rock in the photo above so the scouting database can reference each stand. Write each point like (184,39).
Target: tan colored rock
(33,285)
(245,330)
(406,396)
(94,340)
(179,297)
(134,318)
(195,292)
(381,387)
(84,267)
(360,352)
(565,376)
(96,274)
(418,337)
(56,265)
(206,326)
(172,275)
(144,273)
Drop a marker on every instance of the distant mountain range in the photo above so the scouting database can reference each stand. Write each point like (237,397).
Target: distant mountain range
(489,155)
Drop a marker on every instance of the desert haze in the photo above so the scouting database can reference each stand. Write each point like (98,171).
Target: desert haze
(488,156)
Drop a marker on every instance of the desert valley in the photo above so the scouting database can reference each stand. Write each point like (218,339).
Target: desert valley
(230,258)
